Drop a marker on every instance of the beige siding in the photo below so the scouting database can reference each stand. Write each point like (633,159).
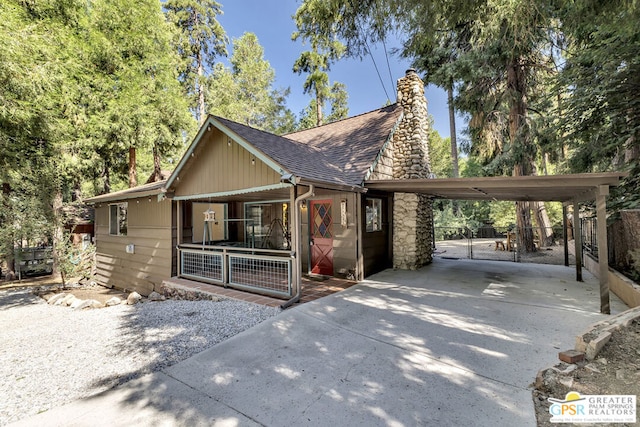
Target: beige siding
(149,230)
(217,166)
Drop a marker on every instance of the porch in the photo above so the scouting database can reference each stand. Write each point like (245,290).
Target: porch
(312,289)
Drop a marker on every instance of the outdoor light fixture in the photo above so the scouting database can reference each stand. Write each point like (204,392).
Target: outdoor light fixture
(253,161)
(286,178)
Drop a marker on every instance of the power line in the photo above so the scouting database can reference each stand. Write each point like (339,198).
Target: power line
(377,71)
(386,54)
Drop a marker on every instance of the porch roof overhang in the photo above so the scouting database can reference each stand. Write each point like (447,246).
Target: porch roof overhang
(561,188)
(146,190)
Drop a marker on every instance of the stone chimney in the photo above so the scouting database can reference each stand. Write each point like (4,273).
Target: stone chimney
(412,213)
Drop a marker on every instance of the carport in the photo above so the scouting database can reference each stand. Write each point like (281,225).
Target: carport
(568,189)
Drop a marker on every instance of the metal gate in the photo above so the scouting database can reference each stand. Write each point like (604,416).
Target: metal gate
(499,244)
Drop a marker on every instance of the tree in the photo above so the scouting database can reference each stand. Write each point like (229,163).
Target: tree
(244,92)
(325,49)
(141,104)
(80,83)
(201,40)
(599,107)
(339,109)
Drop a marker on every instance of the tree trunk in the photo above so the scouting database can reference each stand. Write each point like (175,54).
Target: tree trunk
(157,172)
(133,174)
(106,177)
(10,239)
(58,234)
(519,138)
(545,232)
(452,131)
(202,110)
(319,103)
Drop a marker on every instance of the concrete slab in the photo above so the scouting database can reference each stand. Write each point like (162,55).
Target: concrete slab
(455,343)
(153,400)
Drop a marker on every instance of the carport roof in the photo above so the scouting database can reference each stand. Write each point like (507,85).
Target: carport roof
(562,188)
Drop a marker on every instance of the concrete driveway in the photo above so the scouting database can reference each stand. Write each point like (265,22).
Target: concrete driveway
(456,343)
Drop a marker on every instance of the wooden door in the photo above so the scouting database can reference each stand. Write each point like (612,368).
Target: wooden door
(321,232)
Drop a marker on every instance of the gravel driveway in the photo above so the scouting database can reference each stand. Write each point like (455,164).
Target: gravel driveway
(51,355)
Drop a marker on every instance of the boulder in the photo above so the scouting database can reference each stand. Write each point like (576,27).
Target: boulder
(155,296)
(113,301)
(68,299)
(76,302)
(88,303)
(134,298)
(55,298)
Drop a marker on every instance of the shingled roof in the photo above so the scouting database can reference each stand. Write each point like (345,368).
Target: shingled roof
(353,143)
(339,153)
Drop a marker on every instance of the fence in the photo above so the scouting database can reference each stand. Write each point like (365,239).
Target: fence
(259,270)
(589,229)
(500,244)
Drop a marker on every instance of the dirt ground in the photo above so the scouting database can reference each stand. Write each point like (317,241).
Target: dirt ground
(615,370)
(47,285)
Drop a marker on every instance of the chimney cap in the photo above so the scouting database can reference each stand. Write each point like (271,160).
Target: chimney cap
(411,71)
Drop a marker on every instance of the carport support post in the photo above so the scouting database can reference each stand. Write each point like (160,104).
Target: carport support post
(577,239)
(603,250)
(565,237)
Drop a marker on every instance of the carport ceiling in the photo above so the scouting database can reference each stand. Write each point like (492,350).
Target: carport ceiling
(561,188)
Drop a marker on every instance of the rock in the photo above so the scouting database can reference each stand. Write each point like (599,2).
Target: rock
(57,297)
(565,371)
(89,303)
(592,368)
(113,301)
(566,381)
(134,298)
(68,299)
(75,302)
(154,296)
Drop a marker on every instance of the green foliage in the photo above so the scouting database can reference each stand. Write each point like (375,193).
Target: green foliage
(244,92)
(325,49)
(440,154)
(74,261)
(600,82)
(201,39)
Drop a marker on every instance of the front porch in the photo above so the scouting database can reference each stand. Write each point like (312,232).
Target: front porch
(312,289)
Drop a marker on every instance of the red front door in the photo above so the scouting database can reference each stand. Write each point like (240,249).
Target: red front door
(321,232)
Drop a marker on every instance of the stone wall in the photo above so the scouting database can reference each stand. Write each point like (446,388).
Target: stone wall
(412,230)
(412,213)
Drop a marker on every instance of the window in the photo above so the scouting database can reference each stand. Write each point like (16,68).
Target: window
(373,212)
(118,219)
(267,224)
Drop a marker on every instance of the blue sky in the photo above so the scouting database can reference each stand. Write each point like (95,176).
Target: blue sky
(271,21)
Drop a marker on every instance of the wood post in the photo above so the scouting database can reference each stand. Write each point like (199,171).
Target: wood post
(603,250)
(577,239)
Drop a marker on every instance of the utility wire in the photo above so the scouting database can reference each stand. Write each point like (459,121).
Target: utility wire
(377,71)
(386,54)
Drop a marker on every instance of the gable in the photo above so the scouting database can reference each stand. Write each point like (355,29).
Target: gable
(219,164)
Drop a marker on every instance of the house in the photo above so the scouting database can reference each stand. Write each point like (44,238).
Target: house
(252,210)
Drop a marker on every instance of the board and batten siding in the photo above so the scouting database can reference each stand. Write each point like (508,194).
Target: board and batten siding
(219,164)
(345,238)
(149,229)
